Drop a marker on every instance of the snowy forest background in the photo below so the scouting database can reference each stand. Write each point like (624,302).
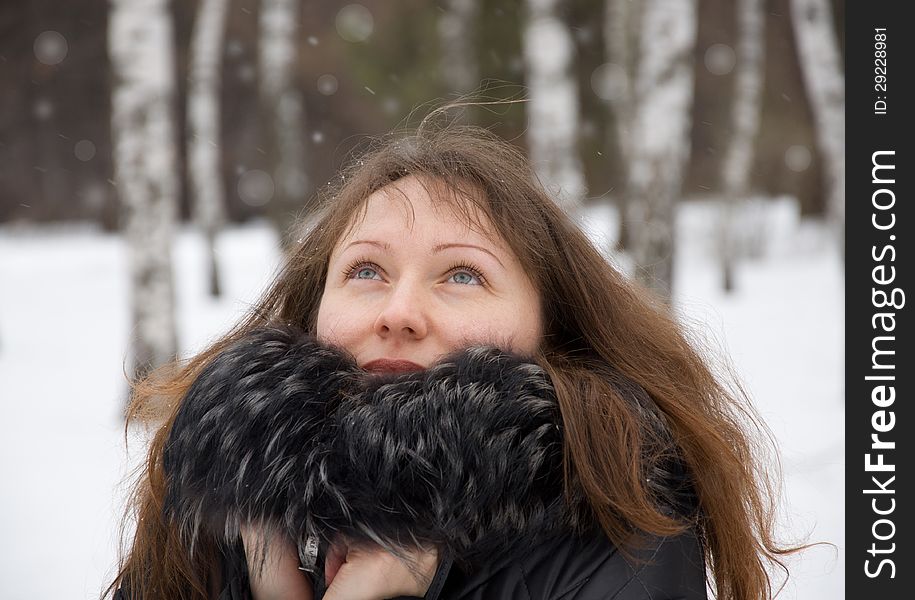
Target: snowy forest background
(154,154)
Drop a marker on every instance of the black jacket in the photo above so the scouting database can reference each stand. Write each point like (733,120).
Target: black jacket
(466,455)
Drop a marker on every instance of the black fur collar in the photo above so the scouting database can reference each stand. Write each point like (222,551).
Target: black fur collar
(288,432)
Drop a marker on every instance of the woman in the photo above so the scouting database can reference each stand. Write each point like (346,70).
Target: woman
(437,269)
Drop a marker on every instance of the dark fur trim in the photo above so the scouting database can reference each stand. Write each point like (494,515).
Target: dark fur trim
(282,430)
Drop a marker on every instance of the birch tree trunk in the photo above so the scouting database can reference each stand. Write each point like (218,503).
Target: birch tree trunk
(140,43)
(283,107)
(822,72)
(745,116)
(553,120)
(205,151)
(621,19)
(659,144)
(456,28)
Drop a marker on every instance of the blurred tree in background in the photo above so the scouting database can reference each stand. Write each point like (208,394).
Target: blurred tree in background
(360,71)
(294,87)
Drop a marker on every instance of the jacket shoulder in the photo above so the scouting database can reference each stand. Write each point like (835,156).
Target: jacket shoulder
(590,568)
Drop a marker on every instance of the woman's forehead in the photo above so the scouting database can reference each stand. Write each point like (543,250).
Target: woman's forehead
(406,200)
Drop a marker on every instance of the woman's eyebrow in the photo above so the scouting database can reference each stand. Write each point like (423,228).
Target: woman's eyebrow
(435,249)
(382,245)
(439,247)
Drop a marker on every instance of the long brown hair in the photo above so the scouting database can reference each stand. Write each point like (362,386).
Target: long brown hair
(593,319)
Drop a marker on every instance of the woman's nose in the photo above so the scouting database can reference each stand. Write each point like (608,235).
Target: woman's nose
(403,314)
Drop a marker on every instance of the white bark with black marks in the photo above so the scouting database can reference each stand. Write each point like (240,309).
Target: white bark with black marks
(659,144)
(620,37)
(822,71)
(283,104)
(621,19)
(140,43)
(745,117)
(205,148)
(553,112)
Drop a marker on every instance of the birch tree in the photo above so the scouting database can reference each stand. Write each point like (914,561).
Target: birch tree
(659,140)
(205,151)
(821,69)
(615,86)
(140,43)
(283,106)
(456,28)
(745,115)
(553,119)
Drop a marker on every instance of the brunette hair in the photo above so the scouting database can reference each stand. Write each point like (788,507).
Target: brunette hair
(595,322)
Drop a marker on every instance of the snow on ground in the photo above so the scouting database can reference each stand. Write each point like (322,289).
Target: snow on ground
(64,329)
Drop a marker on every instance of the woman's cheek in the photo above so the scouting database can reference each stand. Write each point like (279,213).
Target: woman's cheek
(331,323)
(476,329)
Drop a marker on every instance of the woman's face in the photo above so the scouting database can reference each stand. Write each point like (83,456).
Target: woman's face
(404,289)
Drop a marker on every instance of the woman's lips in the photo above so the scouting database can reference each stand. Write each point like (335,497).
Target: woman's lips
(392,365)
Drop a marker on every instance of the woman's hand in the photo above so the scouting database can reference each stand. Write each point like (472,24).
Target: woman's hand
(371,573)
(277,576)
(350,572)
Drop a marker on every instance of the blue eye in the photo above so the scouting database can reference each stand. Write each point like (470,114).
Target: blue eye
(362,269)
(461,274)
(466,275)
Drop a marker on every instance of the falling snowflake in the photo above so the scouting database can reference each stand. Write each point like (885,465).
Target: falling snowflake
(327,84)
(355,23)
(608,81)
(390,105)
(50,47)
(234,48)
(84,150)
(798,158)
(44,109)
(720,59)
(256,188)
(246,73)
